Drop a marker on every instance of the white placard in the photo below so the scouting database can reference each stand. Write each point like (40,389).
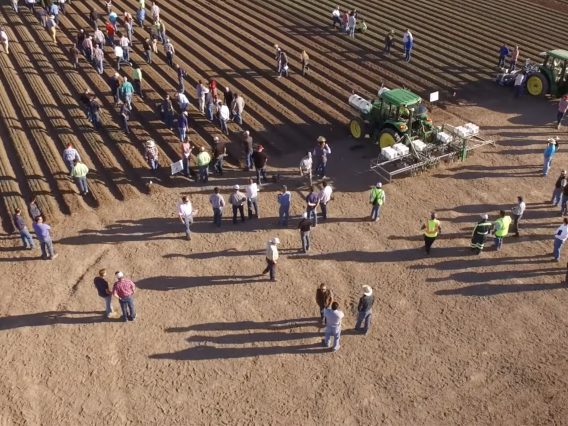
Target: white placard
(434,96)
(177,167)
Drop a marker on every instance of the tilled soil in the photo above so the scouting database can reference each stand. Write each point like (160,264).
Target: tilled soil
(455,338)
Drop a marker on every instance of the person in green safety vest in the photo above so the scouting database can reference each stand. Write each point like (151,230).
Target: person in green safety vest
(501,228)
(433,228)
(479,234)
(377,200)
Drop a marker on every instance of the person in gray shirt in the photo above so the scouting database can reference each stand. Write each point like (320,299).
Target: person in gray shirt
(332,319)
(237,200)
(33,209)
(217,202)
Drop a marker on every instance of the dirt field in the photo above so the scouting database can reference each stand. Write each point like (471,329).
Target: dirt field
(455,339)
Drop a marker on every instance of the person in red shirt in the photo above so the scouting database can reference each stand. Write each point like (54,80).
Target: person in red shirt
(110,33)
(124,290)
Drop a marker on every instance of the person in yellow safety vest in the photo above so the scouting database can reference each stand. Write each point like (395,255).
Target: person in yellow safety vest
(479,234)
(433,228)
(501,228)
(377,200)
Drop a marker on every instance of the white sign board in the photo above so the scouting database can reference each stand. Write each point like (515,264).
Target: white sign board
(177,167)
(434,96)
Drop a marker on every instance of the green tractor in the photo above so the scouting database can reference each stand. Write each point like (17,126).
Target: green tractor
(395,116)
(550,77)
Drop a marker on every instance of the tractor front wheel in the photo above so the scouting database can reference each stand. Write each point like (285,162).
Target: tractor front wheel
(537,84)
(357,128)
(388,137)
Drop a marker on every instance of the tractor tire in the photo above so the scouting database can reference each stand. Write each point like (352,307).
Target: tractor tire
(537,84)
(388,137)
(357,128)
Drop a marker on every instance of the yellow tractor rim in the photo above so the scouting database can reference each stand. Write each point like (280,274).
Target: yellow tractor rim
(386,140)
(355,129)
(534,85)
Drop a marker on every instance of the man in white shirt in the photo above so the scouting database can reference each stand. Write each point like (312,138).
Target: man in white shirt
(99,38)
(4,39)
(155,12)
(332,318)
(125,44)
(183,101)
(224,115)
(186,214)
(335,18)
(271,258)
(519,80)
(306,167)
(324,198)
(170,52)
(559,238)
(252,198)
(517,212)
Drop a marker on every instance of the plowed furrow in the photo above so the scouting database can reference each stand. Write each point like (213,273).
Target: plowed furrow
(10,193)
(94,145)
(37,113)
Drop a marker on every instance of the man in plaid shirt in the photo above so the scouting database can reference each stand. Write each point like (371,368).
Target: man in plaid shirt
(124,290)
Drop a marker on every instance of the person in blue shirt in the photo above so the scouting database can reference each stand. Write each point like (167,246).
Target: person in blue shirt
(141,15)
(503,53)
(54,10)
(112,17)
(42,233)
(548,154)
(284,199)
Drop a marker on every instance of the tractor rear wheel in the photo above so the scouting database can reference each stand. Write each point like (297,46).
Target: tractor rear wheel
(357,128)
(537,84)
(388,137)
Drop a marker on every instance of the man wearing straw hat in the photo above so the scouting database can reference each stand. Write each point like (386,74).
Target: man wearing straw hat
(479,235)
(151,154)
(364,310)
(271,258)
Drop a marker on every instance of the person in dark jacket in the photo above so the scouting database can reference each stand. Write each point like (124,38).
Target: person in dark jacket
(114,84)
(324,298)
(21,227)
(559,186)
(389,40)
(479,234)
(283,70)
(503,53)
(229,98)
(33,208)
(364,310)
(304,227)
(167,111)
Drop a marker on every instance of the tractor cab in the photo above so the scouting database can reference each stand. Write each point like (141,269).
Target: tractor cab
(551,76)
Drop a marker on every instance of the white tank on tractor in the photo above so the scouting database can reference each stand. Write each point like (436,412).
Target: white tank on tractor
(360,104)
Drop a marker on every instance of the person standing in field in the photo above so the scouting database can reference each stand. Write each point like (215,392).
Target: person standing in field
(324,299)
(183,101)
(99,38)
(52,28)
(124,117)
(548,154)
(560,236)
(70,154)
(304,227)
(519,210)
(259,160)
(335,18)
(306,168)
(200,96)
(141,16)
(75,53)
(364,310)
(181,74)
(209,103)
(345,22)
(202,161)
(146,45)
(229,97)
(433,228)
(562,107)
(237,200)
(183,124)
(283,71)
(503,53)
(285,201)
(305,60)
(94,18)
(4,39)
(79,173)
(103,289)
(170,52)
(168,112)
(218,203)
(186,214)
(252,199)
(125,44)
(559,186)
(99,57)
(324,199)
(21,227)
(312,201)
(248,150)
(352,22)
(33,208)
(321,151)
(54,10)
(479,235)
(88,48)
(155,12)
(151,154)
(114,83)
(127,90)
(110,33)
(219,153)
(124,290)
(186,155)
(408,42)
(377,200)
(43,235)
(237,106)
(271,258)
(224,116)
(501,229)
(333,319)
(513,59)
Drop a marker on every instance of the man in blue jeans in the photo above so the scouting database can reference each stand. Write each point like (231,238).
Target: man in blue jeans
(312,201)
(103,289)
(548,154)
(364,310)
(42,233)
(124,290)
(559,238)
(20,225)
(186,213)
(332,318)
(503,53)
(284,199)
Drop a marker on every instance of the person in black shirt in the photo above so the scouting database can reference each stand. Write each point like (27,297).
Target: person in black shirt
(259,160)
(94,108)
(557,193)
(80,39)
(75,56)
(86,101)
(114,84)
(103,290)
(304,227)
(168,112)
(219,152)
(146,45)
(229,98)
(247,146)
(365,308)
(20,225)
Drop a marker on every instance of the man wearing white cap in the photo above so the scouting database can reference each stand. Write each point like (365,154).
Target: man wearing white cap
(219,152)
(124,290)
(479,235)
(306,167)
(304,227)
(365,308)
(271,258)
(377,201)
(237,200)
(186,213)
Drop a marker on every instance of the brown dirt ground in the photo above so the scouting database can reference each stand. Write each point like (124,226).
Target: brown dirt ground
(455,340)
